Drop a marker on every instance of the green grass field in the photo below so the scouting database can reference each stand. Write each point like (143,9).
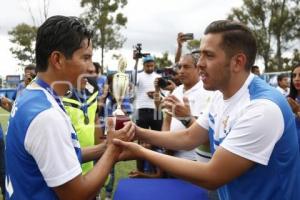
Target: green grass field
(3,119)
(121,169)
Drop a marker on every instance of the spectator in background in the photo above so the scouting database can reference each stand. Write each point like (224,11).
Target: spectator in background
(283,84)
(189,101)
(294,96)
(147,115)
(255,70)
(180,41)
(29,75)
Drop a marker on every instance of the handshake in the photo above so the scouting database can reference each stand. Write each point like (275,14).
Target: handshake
(120,134)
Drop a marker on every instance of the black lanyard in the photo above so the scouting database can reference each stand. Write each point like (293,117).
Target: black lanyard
(84,104)
(47,87)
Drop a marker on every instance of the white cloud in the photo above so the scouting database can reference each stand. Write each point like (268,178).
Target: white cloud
(153,23)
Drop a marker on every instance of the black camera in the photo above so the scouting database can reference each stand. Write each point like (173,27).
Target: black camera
(137,52)
(166,74)
(163,82)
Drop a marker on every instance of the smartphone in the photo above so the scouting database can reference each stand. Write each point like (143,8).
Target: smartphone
(188,36)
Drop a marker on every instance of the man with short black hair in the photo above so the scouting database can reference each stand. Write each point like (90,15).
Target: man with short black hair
(255,70)
(147,115)
(29,75)
(283,84)
(42,149)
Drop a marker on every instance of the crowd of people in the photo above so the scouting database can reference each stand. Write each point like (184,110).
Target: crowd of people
(214,123)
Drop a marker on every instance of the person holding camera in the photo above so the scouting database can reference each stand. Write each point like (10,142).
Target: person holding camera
(181,38)
(147,114)
(29,75)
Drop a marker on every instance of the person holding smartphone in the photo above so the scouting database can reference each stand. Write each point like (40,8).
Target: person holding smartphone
(181,38)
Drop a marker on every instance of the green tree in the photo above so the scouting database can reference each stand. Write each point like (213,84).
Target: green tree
(193,45)
(23,38)
(162,62)
(273,22)
(105,18)
(296,58)
(23,35)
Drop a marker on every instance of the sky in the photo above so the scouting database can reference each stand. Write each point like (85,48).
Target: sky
(154,23)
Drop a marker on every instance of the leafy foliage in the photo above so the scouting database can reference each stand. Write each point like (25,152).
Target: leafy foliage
(105,18)
(162,62)
(276,25)
(23,37)
(193,45)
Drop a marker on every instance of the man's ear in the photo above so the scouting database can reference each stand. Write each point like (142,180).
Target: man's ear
(238,62)
(56,59)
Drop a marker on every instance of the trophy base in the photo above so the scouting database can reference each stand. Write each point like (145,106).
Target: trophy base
(120,120)
(118,112)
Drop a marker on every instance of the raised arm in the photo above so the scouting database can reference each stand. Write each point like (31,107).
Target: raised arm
(180,40)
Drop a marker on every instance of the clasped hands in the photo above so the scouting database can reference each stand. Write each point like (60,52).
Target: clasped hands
(122,139)
(176,108)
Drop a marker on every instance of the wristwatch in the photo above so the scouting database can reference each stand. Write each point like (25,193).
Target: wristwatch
(186,121)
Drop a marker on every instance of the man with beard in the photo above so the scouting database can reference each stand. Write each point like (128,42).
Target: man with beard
(249,125)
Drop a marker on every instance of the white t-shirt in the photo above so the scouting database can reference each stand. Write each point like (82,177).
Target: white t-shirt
(145,83)
(199,100)
(243,125)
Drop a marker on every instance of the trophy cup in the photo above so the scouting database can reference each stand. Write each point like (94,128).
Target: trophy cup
(120,84)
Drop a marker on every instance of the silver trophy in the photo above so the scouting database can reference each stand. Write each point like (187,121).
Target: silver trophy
(119,86)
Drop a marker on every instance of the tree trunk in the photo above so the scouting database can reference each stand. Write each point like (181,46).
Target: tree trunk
(102,57)
(278,54)
(266,61)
